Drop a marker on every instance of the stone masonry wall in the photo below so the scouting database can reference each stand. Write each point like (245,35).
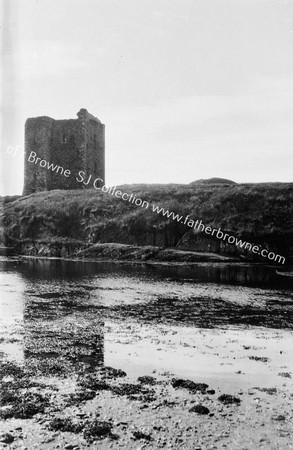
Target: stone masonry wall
(38,133)
(74,144)
(66,151)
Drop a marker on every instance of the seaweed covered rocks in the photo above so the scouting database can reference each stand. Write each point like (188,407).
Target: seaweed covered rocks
(190,385)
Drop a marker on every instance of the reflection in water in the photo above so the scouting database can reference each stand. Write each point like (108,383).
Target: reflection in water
(57,330)
(246,274)
(58,308)
(235,273)
(230,273)
(49,329)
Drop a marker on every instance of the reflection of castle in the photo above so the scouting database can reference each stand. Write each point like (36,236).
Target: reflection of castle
(62,329)
(61,336)
(74,144)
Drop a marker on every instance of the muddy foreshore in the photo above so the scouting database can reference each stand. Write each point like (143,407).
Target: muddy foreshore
(101,357)
(45,407)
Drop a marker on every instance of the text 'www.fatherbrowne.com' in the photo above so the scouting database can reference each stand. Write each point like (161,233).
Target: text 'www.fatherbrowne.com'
(197,225)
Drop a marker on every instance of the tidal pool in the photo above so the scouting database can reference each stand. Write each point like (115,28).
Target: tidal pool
(205,321)
(226,326)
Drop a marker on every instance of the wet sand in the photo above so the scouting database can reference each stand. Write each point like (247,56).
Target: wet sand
(157,414)
(215,360)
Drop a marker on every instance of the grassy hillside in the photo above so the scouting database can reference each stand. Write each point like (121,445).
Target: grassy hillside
(259,213)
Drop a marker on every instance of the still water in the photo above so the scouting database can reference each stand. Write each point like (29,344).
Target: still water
(209,320)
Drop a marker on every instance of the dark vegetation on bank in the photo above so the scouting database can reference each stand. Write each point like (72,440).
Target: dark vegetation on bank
(63,223)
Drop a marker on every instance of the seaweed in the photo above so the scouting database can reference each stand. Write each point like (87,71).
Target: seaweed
(229,399)
(25,406)
(190,385)
(10,369)
(146,379)
(65,424)
(93,382)
(80,396)
(199,409)
(140,435)
(97,429)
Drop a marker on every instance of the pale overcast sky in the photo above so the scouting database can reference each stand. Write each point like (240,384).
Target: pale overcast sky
(188,89)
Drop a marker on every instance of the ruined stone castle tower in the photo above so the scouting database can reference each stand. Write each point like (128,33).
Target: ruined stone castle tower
(74,144)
